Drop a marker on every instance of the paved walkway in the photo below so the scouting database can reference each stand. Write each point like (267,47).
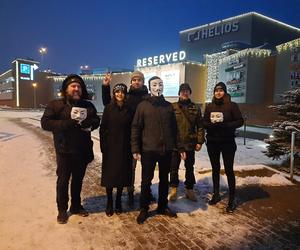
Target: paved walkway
(267,217)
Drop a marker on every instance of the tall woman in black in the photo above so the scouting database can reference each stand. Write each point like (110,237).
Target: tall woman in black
(115,147)
(221,118)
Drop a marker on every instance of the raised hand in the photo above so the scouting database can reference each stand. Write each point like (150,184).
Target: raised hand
(107,78)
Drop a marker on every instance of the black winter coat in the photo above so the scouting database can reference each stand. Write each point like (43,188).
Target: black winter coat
(69,137)
(115,131)
(153,127)
(222,131)
(134,96)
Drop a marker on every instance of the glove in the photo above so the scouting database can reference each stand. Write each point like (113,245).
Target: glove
(87,123)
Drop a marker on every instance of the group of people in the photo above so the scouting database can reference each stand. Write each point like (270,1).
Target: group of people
(137,125)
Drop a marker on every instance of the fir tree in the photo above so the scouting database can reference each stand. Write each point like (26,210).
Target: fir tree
(289,120)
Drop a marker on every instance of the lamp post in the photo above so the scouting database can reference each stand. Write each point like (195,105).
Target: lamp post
(42,51)
(34,85)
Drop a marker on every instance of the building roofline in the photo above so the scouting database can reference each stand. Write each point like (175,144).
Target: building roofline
(26,60)
(240,16)
(5,72)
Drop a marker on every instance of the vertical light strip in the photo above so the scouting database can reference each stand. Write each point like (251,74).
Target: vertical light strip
(17,83)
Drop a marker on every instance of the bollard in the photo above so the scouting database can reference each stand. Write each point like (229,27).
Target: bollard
(292,155)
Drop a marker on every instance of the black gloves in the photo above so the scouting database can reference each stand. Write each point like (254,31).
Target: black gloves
(69,124)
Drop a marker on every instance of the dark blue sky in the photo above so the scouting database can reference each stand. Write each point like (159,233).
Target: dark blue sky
(113,33)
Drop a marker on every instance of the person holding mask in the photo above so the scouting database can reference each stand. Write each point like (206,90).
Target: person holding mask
(153,138)
(221,118)
(190,137)
(71,120)
(115,132)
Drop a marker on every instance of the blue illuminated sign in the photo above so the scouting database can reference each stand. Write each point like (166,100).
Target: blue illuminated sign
(25,68)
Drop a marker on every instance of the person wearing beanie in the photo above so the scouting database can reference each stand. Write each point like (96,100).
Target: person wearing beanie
(153,137)
(136,94)
(221,118)
(190,139)
(71,120)
(117,158)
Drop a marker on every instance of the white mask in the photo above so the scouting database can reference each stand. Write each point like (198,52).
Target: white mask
(156,87)
(78,114)
(216,117)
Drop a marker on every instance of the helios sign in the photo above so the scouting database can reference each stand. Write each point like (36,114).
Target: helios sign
(212,31)
(161,59)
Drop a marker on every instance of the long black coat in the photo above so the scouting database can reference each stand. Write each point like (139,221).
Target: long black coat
(115,132)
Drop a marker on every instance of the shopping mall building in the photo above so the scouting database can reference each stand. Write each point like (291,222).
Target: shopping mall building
(257,57)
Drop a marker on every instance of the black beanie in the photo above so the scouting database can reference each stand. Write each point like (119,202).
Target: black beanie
(184,86)
(74,78)
(120,86)
(222,86)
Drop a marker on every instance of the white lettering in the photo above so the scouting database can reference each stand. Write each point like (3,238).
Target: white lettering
(139,63)
(211,32)
(235,26)
(182,55)
(161,59)
(175,56)
(144,62)
(168,57)
(149,61)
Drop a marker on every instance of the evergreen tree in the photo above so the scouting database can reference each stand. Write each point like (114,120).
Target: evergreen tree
(289,120)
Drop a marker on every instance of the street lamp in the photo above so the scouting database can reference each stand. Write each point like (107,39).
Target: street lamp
(34,85)
(42,51)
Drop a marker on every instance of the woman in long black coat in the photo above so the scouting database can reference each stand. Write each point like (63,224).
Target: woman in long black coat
(115,147)
(221,118)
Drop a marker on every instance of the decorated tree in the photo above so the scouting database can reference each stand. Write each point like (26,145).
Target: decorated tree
(289,120)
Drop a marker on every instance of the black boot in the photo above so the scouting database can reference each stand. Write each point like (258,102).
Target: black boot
(79,210)
(130,199)
(119,209)
(231,206)
(62,217)
(109,205)
(215,199)
(142,217)
(166,211)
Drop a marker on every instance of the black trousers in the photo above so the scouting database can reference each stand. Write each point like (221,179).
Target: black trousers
(189,169)
(69,165)
(227,149)
(149,160)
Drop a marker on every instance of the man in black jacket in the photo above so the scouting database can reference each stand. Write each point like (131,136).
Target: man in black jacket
(153,137)
(71,120)
(136,94)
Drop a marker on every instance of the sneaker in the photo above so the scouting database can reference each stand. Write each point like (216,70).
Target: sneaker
(62,217)
(130,199)
(231,207)
(215,199)
(167,211)
(142,217)
(173,194)
(79,211)
(190,194)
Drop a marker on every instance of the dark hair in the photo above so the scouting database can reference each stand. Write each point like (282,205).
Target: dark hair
(184,86)
(151,79)
(74,78)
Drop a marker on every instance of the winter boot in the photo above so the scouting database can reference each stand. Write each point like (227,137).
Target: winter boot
(166,211)
(215,199)
(190,194)
(62,217)
(231,206)
(173,194)
(118,208)
(109,208)
(130,199)
(142,217)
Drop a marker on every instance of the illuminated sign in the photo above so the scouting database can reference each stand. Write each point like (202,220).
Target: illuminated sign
(25,68)
(217,30)
(161,59)
(27,71)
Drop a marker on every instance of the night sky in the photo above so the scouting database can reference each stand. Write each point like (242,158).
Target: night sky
(113,33)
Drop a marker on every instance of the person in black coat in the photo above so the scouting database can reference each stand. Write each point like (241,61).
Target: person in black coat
(153,138)
(136,94)
(115,131)
(221,118)
(71,120)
